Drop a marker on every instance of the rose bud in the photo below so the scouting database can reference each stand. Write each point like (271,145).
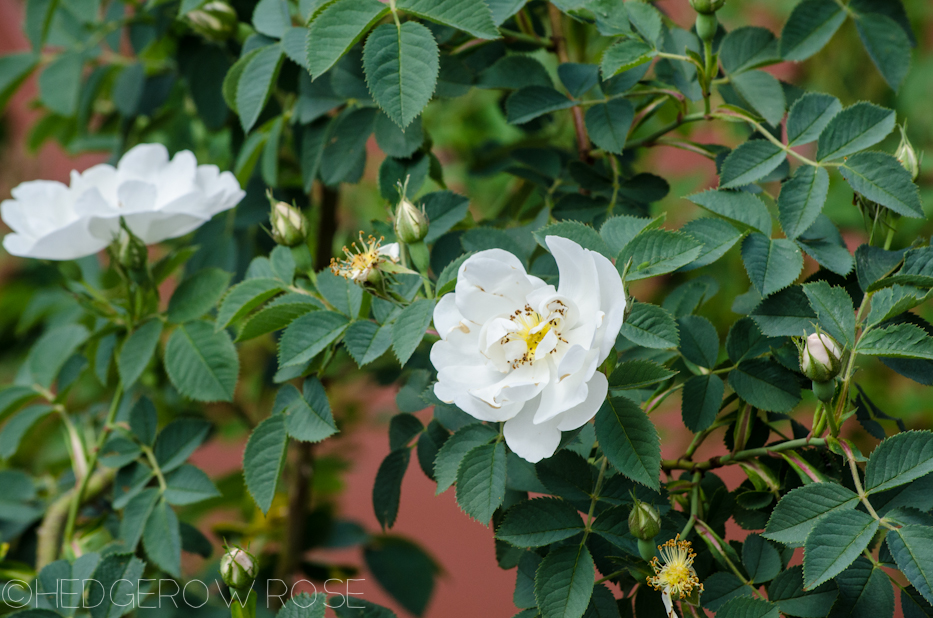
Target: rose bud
(908,156)
(238,568)
(215,21)
(289,226)
(644,522)
(411,222)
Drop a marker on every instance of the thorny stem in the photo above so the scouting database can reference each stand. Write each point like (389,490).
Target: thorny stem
(862,496)
(595,497)
(49,532)
(560,46)
(78,495)
(694,504)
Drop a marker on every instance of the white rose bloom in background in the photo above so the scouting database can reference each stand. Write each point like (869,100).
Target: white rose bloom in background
(45,224)
(158,199)
(516,349)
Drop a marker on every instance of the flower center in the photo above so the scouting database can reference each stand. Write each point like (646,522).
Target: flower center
(676,575)
(359,260)
(532,330)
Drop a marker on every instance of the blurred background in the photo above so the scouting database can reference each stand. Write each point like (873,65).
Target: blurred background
(470,581)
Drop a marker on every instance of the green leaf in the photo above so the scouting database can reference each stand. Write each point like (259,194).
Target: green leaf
(890,302)
(736,206)
(602,604)
(765,384)
(12,433)
(629,440)
(387,489)
(232,79)
(564,582)
(899,459)
(14,70)
(855,128)
(445,209)
(472,16)
(699,342)
(162,539)
(118,451)
(897,341)
(761,559)
(912,548)
(887,44)
(747,48)
(785,314)
(119,576)
(788,593)
(188,485)
(481,481)
(202,363)
(307,336)
(864,590)
(836,541)
(531,102)
(197,295)
(656,252)
(701,399)
(271,18)
(178,440)
(771,264)
(244,297)
(295,45)
(514,72)
(810,26)
(410,327)
(264,459)
(366,341)
(580,233)
(256,84)
(627,54)
(60,84)
(795,515)
(578,78)
(401,65)
(455,448)
(747,607)
(619,231)
(801,200)
(639,373)
(881,178)
(651,326)
(12,397)
(336,28)
(308,416)
(763,92)
(403,428)
(608,124)
(135,515)
(720,588)
(403,568)
(750,162)
(534,523)
(53,349)
(275,316)
(833,307)
(717,236)
(345,296)
(398,143)
(811,113)
(137,350)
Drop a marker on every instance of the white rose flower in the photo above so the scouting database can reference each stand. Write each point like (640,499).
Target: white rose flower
(45,224)
(516,349)
(158,199)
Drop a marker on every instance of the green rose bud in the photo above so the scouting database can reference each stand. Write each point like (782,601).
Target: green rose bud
(238,568)
(215,21)
(289,226)
(820,357)
(411,223)
(908,156)
(644,522)
(707,7)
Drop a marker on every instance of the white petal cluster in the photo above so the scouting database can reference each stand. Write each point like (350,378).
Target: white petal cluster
(157,197)
(516,349)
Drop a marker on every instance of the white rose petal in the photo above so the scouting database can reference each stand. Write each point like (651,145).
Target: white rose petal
(158,199)
(516,349)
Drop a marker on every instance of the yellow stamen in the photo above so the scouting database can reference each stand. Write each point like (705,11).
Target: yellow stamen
(676,574)
(359,261)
